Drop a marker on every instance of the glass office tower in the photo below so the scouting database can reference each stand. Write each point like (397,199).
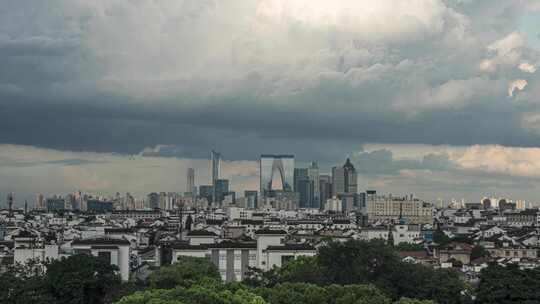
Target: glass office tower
(276,173)
(216,168)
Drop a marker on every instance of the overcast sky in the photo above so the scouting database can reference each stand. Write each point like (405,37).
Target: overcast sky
(440,98)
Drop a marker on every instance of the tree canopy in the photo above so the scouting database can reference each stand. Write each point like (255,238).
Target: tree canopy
(186,272)
(505,285)
(369,262)
(81,279)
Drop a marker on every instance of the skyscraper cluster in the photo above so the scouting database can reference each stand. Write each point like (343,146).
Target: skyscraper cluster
(283,184)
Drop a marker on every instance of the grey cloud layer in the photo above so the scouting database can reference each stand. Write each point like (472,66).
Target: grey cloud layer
(314,78)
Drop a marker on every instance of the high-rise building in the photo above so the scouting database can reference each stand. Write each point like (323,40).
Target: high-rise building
(220,189)
(40,201)
(283,165)
(338,181)
(344,179)
(216,170)
(313,174)
(153,200)
(251,199)
(55,204)
(190,181)
(305,193)
(207,192)
(325,188)
(163,200)
(299,174)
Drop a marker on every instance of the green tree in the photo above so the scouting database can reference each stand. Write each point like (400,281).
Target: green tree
(294,293)
(478,252)
(302,269)
(24,284)
(440,238)
(256,277)
(373,262)
(196,294)
(186,272)
(356,294)
(413,301)
(409,247)
(422,282)
(356,262)
(81,279)
(507,285)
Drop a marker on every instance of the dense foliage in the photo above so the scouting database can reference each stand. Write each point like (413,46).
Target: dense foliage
(409,247)
(80,279)
(185,273)
(374,262)
(505,285)
(196,294)
(286,293)
(353,272)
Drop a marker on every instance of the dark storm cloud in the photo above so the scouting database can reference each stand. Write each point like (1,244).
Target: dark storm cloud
(133,75)
(382,162)
(244,132)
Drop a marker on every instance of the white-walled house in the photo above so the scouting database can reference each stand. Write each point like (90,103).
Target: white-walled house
(22,255)
(265,238)
(116,251)
(182,249)
(198,237)
(372,233)
(409,234)
(233,258)
(278,255)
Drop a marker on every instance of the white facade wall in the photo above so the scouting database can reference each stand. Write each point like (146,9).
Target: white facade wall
(263,241)
(372,234)
(402,234)
(119,257)
(198,240)
(24,255)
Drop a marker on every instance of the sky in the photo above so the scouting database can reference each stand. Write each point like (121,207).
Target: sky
(440,98)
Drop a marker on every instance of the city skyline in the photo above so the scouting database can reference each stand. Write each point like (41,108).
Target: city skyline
(273,168)
(437,98)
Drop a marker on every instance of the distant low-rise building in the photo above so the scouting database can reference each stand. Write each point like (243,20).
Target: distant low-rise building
(389,208)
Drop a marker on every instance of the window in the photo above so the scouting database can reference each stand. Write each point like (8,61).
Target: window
(286,258)
(105,255)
